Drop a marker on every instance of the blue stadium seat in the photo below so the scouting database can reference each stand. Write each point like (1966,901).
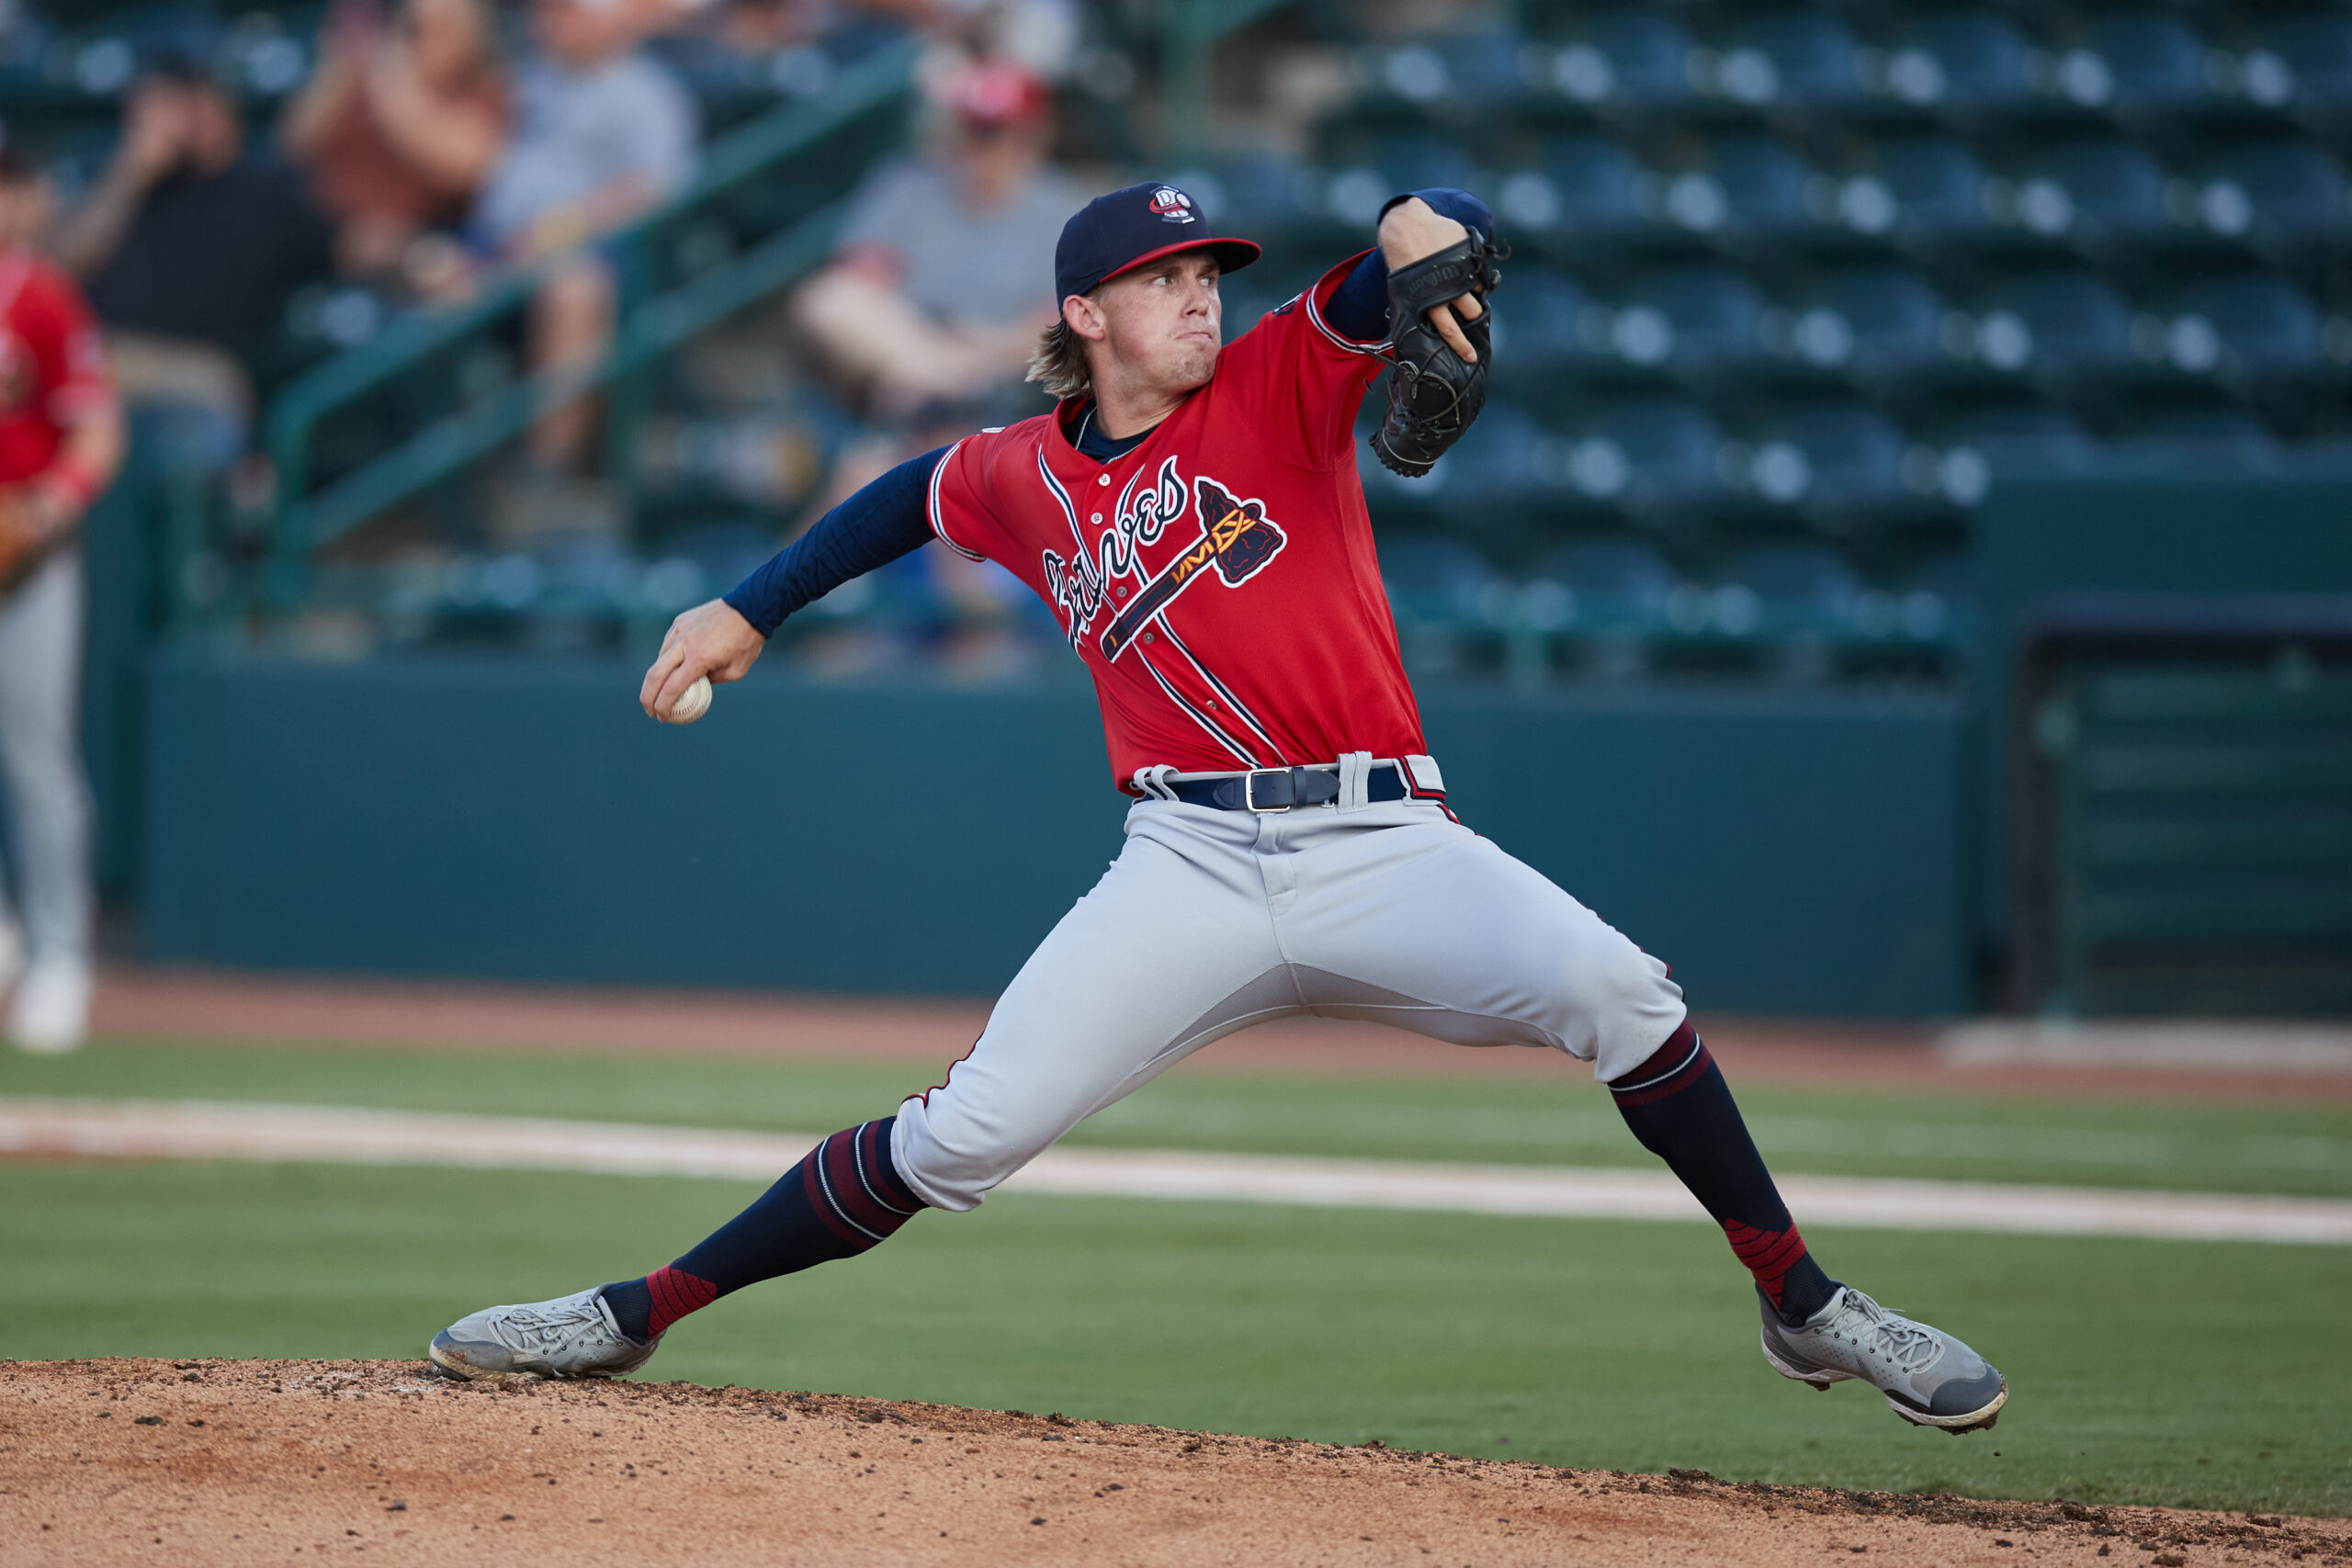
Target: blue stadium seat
(1358,185)
(1447,599)
(1649,455)
(1262,193)
(1487,69)
(2243,326)
(1923,187)
(1620,586)
(1829,459)
(2274,192)
(1794,591)
(1746,186)
(2094,191)
(1539,322)
(1506,457)
(1633,58)
(2304,61)
(1970,59)
(1585,185)
(2154,61)
(2064,320)
(1872,320)
(1964,456)
(1806,58)
(1712,320)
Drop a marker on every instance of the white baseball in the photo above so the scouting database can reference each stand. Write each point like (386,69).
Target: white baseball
(693,703)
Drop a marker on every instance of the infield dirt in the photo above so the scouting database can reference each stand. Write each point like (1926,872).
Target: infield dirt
(116,1461)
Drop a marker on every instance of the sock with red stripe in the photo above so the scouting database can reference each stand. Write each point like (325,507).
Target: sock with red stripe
(844,1198)
(1680,1109)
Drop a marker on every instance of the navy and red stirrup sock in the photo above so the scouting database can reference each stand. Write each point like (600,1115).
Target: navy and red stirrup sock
(1678,1106)
(844,1198)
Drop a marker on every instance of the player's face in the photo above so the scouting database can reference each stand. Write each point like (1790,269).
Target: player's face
(24,209)
(1164,321)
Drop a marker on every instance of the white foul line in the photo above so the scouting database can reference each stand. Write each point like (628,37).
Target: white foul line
(343,1135)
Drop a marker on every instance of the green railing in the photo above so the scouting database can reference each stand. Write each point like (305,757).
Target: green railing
(650,324)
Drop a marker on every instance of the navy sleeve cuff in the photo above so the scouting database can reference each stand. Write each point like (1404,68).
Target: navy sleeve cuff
(888,519)
(1357,308)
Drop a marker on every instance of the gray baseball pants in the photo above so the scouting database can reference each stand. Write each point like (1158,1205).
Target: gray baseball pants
(1211,920)
(41,761)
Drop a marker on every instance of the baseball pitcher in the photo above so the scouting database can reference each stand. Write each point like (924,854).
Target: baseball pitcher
(1191,510)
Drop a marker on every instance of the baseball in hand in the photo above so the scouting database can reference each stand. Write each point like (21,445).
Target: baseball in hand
(693,703)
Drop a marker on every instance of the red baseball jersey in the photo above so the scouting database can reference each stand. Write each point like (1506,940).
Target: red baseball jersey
(52,368)
(1219,579)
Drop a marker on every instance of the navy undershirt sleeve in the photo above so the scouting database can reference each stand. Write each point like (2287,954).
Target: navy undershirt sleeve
(888,519)
(1359,307)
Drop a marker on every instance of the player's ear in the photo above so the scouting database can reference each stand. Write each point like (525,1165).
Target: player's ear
(1083,315)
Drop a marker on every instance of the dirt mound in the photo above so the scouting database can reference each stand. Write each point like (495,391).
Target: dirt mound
(106,1461)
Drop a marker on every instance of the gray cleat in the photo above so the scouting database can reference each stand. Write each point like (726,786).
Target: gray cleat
(1930,1378)
(571,1336)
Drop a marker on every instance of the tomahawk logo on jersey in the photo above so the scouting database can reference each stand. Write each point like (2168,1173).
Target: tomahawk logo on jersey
(1218,581)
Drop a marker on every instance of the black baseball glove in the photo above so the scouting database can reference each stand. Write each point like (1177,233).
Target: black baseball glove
(1433,395)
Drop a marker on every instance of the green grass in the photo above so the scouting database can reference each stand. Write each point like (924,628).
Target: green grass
(2216,1146)
(1613,1344)
(2147,1373)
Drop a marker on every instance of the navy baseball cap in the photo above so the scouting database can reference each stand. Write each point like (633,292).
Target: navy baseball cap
(1123,231)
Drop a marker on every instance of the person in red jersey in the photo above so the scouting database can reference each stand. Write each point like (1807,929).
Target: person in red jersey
(1192,511)
(61,442)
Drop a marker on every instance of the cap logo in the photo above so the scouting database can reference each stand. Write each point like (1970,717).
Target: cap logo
(1171,206)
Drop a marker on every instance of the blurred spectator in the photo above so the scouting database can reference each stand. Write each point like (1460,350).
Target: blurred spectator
(190,248)
(944,278)
(600,133)
(399,125)
(61,442)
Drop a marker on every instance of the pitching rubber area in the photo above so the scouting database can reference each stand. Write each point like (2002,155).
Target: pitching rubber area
(139,1461)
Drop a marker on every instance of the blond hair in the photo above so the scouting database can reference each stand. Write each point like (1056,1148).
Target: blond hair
(1058,362)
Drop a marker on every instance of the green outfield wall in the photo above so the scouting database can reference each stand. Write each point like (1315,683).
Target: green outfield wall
(1784,852)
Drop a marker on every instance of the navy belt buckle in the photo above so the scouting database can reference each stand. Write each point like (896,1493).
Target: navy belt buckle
(1249,790)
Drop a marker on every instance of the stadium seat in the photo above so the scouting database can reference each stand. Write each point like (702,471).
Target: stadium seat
(1871,321)
(2275,193)
(1926,188)
(1799,57)
(2304,63)
(1360,183)
(1960,459)
(2153,61)
(1585,185)
(1629,58)
(1702,321)
(2068,322)
(1969,60)
(1619,585)
(1751,186)
(1804,591)
(1448,601)
(1263,194)
(2097,191)
(1830,459)
(1649,455)
(1506,458)
(2243,327)
(1487,69)
(1540,323)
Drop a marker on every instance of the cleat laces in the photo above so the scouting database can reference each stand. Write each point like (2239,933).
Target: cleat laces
(1895,1340)
(543,1331)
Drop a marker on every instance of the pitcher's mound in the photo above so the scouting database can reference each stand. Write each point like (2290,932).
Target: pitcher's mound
(143,1462)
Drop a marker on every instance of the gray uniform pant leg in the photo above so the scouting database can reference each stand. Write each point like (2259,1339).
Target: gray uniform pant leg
(1212,920)
(1403,916)
(40,763)
(1156,962)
